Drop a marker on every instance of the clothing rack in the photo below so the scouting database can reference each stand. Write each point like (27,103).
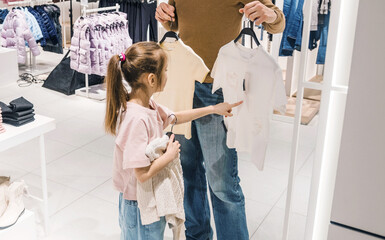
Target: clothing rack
(84,14)
(19,2)
(29,2)
(85,10)
(32,59)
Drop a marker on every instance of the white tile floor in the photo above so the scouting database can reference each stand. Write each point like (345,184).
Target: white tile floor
(82,203)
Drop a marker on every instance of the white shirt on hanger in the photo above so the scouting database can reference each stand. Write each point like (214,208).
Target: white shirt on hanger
(253,76)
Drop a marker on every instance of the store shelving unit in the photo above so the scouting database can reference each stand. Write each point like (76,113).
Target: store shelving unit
(15,136)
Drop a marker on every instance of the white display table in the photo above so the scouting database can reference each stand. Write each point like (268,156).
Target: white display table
(18,135)
(9,70)
(23,229)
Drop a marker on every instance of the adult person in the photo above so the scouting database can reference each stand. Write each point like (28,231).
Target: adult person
(205,26)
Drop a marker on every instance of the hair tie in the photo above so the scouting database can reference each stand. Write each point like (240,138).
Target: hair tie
(122,57)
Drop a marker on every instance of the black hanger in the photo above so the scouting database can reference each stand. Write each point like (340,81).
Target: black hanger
(169,34)
(172,126)
(248,31)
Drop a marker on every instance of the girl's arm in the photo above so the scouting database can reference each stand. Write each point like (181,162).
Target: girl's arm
(143,174)
(220,109)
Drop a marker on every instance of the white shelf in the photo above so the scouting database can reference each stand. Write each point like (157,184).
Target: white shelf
(14,136)
(25,228)
(9,72)
(18,135)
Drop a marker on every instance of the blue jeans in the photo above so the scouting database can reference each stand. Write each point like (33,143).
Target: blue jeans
(131,225)
(323,28)
(289,10)
(206,155)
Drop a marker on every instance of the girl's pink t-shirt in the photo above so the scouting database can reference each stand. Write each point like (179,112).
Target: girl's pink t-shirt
(138,127)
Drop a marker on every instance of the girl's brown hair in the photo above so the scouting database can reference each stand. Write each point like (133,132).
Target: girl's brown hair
(142,57)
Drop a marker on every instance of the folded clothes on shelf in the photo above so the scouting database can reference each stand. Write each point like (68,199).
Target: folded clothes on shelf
(19,112)
(28,116)
(20,104)
(15,115)
(18,123)
(17,105)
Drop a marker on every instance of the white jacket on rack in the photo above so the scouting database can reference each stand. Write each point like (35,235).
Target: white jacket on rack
(162,195)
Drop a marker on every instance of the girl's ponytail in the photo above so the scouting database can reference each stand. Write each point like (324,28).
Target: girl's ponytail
(117,94)
(140,58)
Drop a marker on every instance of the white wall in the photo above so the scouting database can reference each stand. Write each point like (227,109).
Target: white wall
(359,198)
(337,69)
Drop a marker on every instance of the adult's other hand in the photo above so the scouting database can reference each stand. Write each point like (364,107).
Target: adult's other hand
(165,13)
(258,12)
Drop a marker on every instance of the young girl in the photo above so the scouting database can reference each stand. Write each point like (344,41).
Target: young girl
(136,120)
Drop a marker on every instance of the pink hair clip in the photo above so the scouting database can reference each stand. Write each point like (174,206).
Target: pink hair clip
(122,57)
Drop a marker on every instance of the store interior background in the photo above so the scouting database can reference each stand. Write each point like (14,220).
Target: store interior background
(82,202)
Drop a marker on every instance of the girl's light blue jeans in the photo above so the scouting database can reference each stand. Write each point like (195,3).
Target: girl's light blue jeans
(131,224)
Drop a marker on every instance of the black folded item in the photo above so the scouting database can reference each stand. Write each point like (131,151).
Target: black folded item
(5,108)
(18,118)
(18,123)
(16,115)
(20,104)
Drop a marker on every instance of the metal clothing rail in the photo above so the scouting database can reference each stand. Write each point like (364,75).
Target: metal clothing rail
(19,2)
(85,11)
(29,2)
(84,14)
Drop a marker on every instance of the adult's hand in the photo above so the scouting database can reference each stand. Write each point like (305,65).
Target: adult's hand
(258,12)
(165,13)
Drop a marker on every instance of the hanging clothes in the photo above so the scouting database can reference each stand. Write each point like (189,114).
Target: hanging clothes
(53,11)
(16,32)
(184,68)
(43,23)
(3,14)
(96,39)
(314,16)
(140,16)
(323,29)
(289,10)
(251,76)
(292,36)
(324,7)
(148,22)
(49,25)
(40,21)
(33,25)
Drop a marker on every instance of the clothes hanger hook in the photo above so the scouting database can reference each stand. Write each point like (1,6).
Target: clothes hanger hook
(176,120)
(171,29)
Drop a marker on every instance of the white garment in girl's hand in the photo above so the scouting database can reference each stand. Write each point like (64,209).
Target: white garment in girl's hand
(156,148)
(162,195)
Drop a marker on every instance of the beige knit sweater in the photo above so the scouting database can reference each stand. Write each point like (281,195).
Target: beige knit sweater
(162,195)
